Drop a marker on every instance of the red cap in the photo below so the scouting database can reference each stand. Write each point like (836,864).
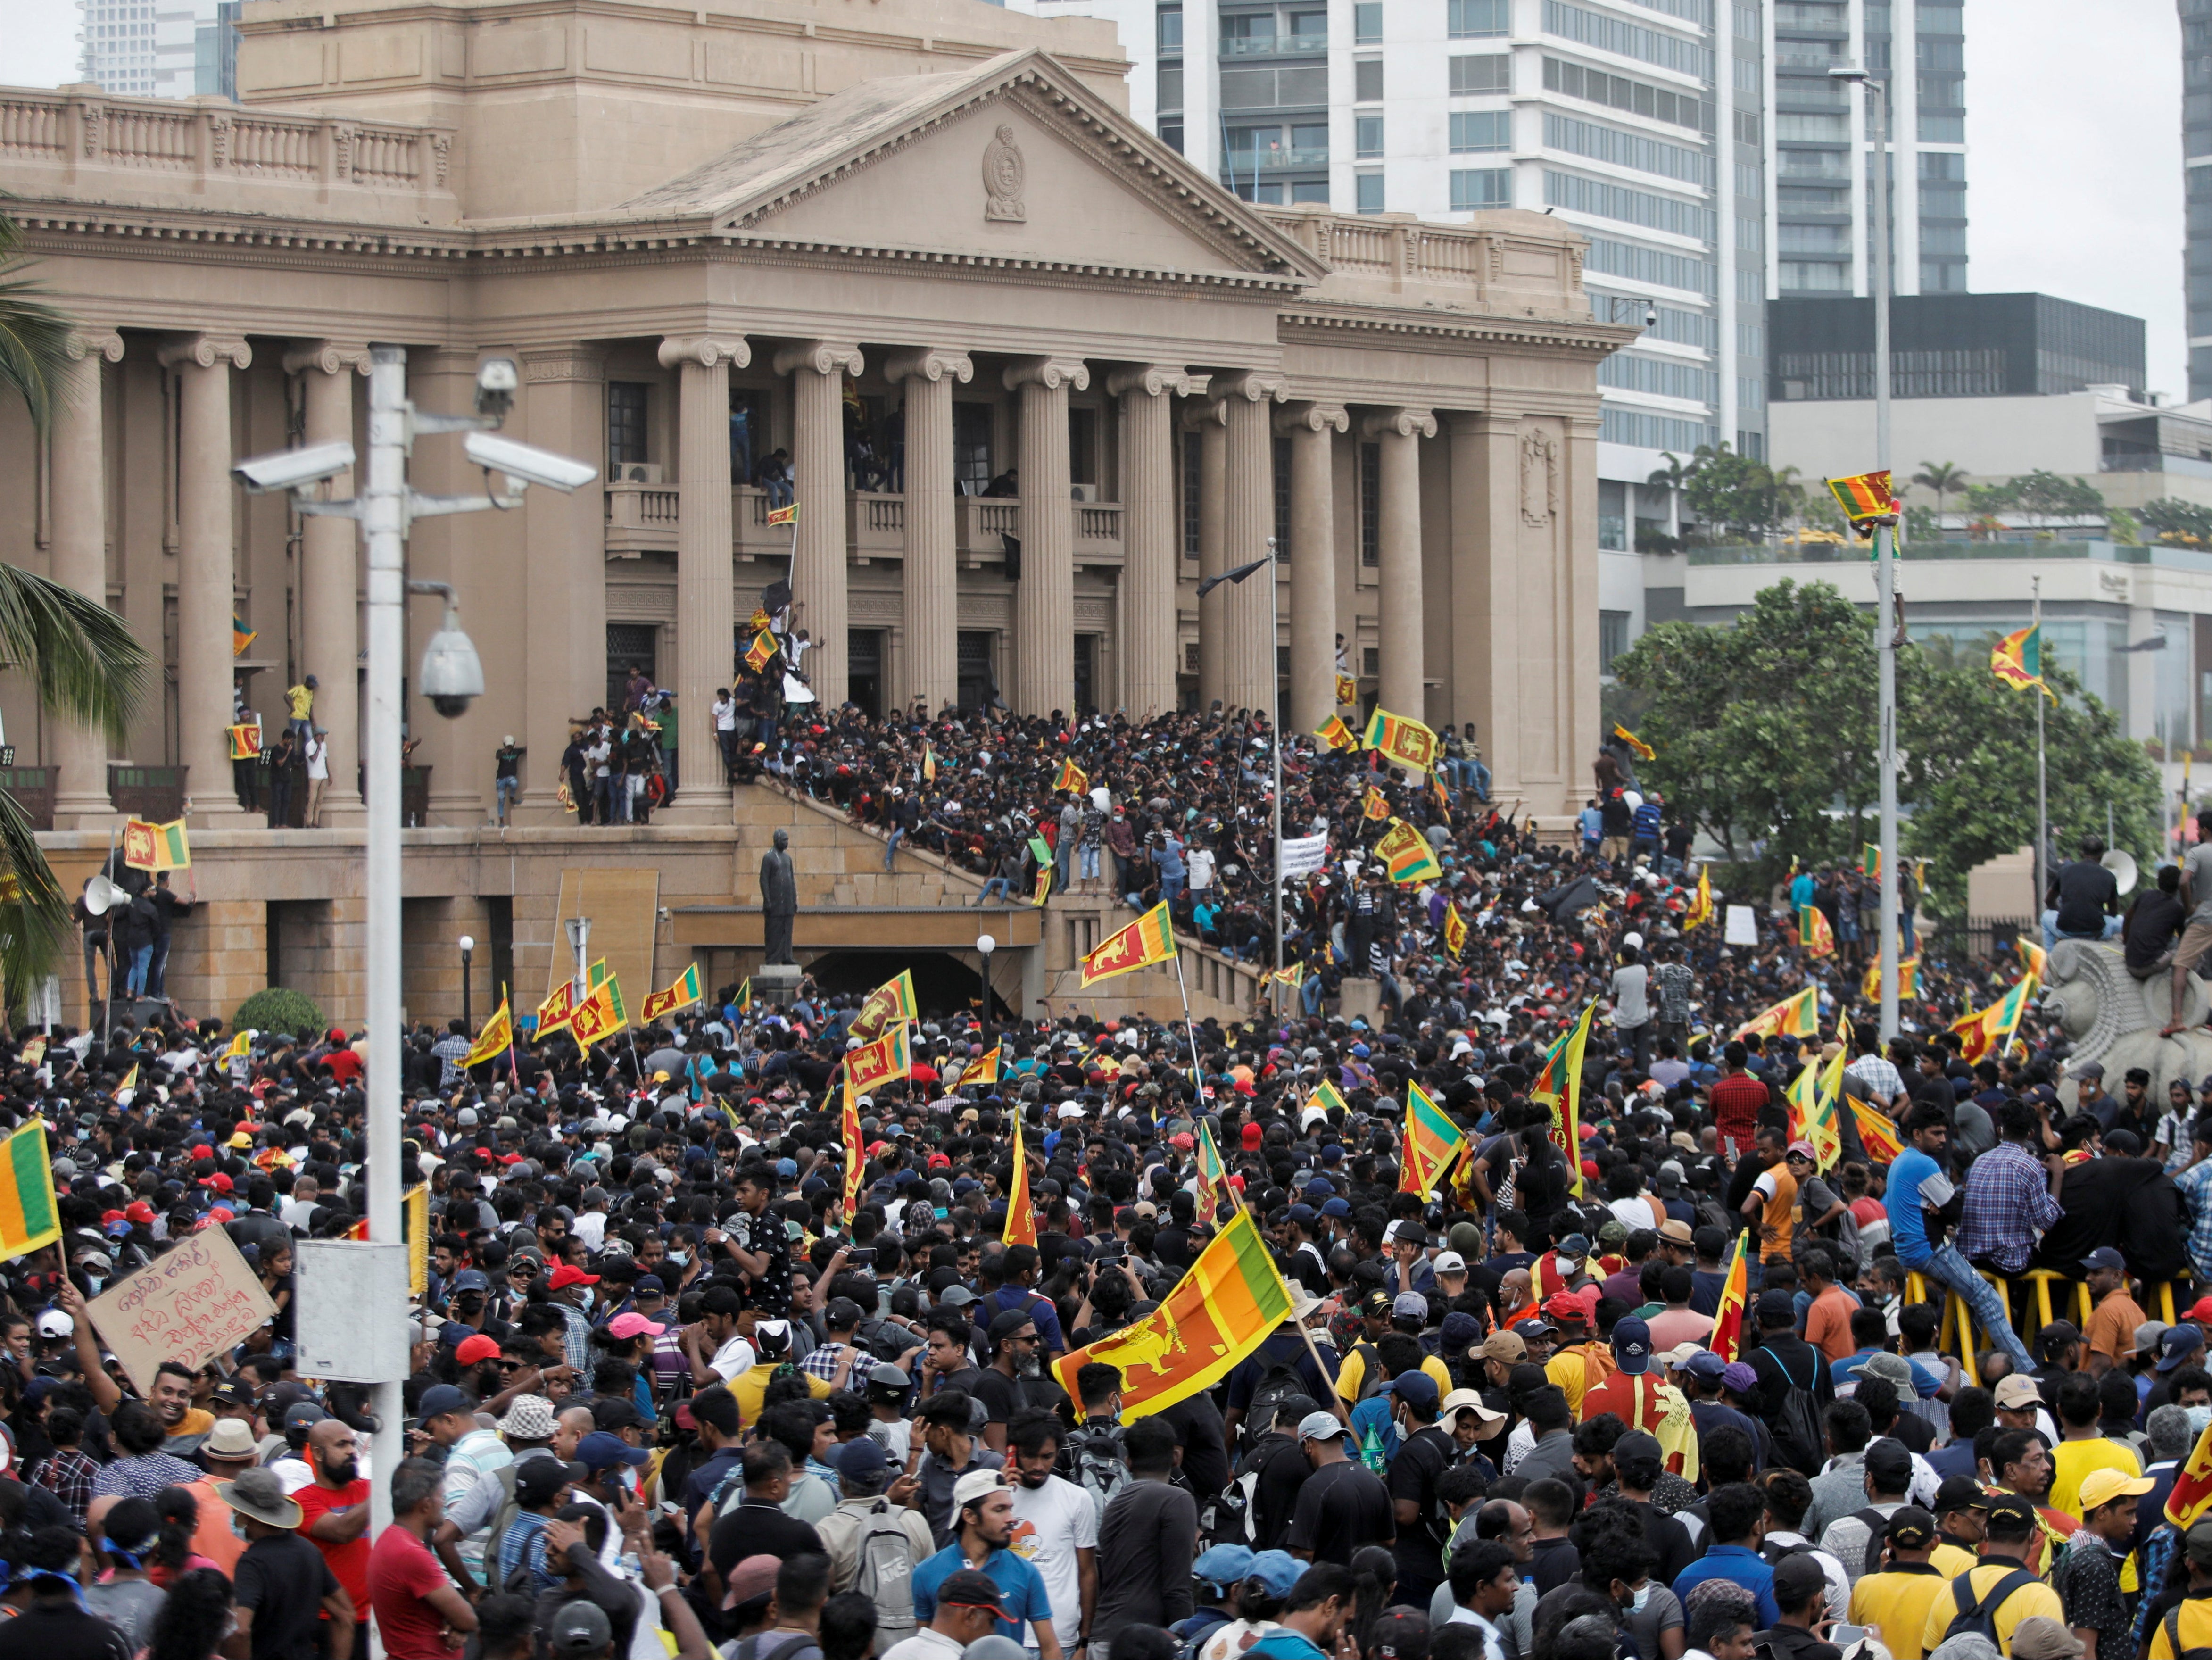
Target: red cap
(570,1274)
(1251,1135)
(219,1181)
(479,1348)
(138,1211)
(1565,1305)
(108,1216)
(202,1153)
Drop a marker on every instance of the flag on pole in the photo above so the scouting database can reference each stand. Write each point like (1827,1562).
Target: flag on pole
(744,999)
(1870,860)
(1877,1131)
(1402,738)
(680,995)
(1701,907)
(1229,1303)
(985,1071)
(1454,929)
(1149,939)
(1328,1097)
(1375,807)
(1864,497)
(553,1014)
(29,1219)
(496,1038)
(1438,793)
(1643,750)
(1986,1031)
(1559,1086)
(1432,1142)
(240,636)
(599,1016)
(1347,691)
(1333,732)
(1793,1017)
(1726,1340)
(785,516)
(1021,1217)
(877,1062)
(2018,660)
(855,1154)
(1043,887)
(129,1084)
(2032,954)
(1072,777)
(1813,933)
(892,1000)
(1212,1173)
(1812,1112)
(156,847)
(2192,1485)
(239,1046)
(1406,855)
(1908,980)
(246,740)
(928,763)
(762,648)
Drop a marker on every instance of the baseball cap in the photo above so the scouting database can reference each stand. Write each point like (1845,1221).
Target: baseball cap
(633,1324)
(1411,1305)
(1416,1388)
(1705,1365)
(1223,1565)
(1565,1305)
(2100,1486)
(1959,1492)
(438,1400)
(479,1348)
(1449,1261)
(2011,1514)
(600,1449)
(973,1485)
(1890,1464)
(2199,1543)
(1802,1150)
(1912,1527)
(2176,1344)
(1573,1247)
(1400,1634)
(581,1627)
(2016,1391)
(1504,1346)
(1321,1426)
(1631,1345)
(2106,1257)
(1737,1375)
(1277,1570)
(754,1579)
(1796,1578)
(969,1588)
(858,1458)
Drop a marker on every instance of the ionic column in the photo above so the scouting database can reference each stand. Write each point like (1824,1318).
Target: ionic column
(1402,688)
(1244,612)
(817,369)
(206,569)
(1044,599)
(329,602)
(1150,554)
(1312,428)
(80,561)
(932,576)
(564,409)
(1208,418)
(705,607)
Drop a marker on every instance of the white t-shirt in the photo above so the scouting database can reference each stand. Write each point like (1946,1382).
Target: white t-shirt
(734,1359)
(1198,862)
(895,1437)
(924,1645)
(318,759)
(1051,1523)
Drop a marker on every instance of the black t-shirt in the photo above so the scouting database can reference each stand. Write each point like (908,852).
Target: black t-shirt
(1000,1394)
(2085,887)
(58,1629)
(1422,1459)
(753,1529)
(1283,1472)
(1197,1424)
(2153,922)
(1555,1561)
(1341,1507)
(283,1580)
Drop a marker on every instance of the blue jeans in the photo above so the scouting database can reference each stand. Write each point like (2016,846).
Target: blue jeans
(1170,886)
(890,847)
(1946,1268)
(606,791)
(1086,862)
(141,958)
(504,791)
(2051,936)
(1005,891)
(1482,778)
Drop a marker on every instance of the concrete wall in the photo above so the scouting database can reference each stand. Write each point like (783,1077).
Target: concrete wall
(1990,437)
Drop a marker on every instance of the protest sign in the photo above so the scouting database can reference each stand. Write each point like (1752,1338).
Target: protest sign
(196,1299)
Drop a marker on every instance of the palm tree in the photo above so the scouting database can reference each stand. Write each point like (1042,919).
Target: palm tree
(1941,476)
(87,665)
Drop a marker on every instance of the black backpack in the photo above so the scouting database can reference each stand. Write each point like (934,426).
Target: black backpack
(1981,1618)
(2172,1623)
(1877,1526)
(1796,1423)
(1280,1384)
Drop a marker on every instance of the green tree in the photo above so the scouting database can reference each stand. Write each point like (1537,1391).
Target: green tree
(2046,496)
(2189,523)
(1946,478)
(1741,499)
(87,666)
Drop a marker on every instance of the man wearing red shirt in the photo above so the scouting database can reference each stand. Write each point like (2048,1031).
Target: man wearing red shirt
(1738,1099)
(417,1609)
(334,1513)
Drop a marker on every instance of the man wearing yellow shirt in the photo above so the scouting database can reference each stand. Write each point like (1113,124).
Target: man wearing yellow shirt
(2188,1625)
(2000,1585)
(1894,1602)
(301,701)
(1580,1364)
(772,1341)
(2082,1446)
(1961,1515)
(1352,1376)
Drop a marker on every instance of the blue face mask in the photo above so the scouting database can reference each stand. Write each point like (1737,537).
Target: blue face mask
(680,1258)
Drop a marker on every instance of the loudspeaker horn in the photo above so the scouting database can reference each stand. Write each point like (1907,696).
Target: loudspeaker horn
(2123,866)
(102,896)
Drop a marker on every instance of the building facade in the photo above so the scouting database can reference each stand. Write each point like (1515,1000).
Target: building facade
(705,238)
(2196,164)
(160,48)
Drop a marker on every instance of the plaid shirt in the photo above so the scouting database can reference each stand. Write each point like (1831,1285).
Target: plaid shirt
(1878,1076)
(450,1049)
(821,1360)
(2196,1185)
(67,1475)
(576,1339)
(2008,1200)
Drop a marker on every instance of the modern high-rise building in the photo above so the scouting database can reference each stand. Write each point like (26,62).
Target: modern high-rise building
(2197,152)
(171,49)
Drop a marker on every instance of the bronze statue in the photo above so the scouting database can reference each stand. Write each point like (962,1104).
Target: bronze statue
(779,900)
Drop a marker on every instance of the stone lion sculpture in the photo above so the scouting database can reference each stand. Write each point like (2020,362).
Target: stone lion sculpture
(2112,1017)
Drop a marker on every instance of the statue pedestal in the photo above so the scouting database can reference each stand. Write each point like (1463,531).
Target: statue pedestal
(1360,997)
(777,983)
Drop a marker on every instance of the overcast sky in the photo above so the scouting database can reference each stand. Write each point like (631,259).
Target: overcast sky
(2074,135)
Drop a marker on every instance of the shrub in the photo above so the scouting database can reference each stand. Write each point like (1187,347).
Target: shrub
(278,1010)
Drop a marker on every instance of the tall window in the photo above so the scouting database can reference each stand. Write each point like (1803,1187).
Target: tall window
(1370,186)
(1371,505)
(1282,497)
(1367,135)
(1082,444)
(1611,639)
(1190,473)
(1367,80)
(971,447)
(1367,23)
(625,423)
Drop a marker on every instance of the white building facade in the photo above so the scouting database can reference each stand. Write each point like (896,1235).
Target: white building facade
(159,48)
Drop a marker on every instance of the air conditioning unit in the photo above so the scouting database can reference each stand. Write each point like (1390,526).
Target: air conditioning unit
(638,472)
(1085,492)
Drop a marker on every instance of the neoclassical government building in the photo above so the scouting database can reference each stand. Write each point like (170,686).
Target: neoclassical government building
(916,246)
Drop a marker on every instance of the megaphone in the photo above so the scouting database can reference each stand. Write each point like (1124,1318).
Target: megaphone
(2123,867)
(102,896)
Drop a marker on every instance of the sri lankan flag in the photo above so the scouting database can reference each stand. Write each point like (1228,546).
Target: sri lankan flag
(1439,795)
(876,1063)
(985,1071)
(1701,907)
(1812,1111)
(680,995)
(1347,691)
(1333,732)
(1021,1219)
(240,636)
(892,1000)
(1149,939)
(240,1047)
(929,763)
(1432,1142)
(2192,1485)
(784,515)
(1454,929)
(1402,738)
(1988,1031)
(2032,954)
(1043,887)
(553,1014)
(33,1052)
(29,1219)
(855,1154)
(1072,777)
(762,648)
(1328,1098)
(129,1084)
(2018,660)
(1643,750)
(246,740)
(1870,860)
(1877,1131)
(1726,1340)
(1864,497)
(1377,807)
(599,1016)
(744,999)
(1212,1175)
(156,847)
(1226,1306)
(1813,933)
(1405,854)
(1559,1086)
(1908,980)
(1793,1017)
(496,1038)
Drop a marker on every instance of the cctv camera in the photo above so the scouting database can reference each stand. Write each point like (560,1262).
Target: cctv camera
(453,674)
(528,465)
(495,384)
(286,470)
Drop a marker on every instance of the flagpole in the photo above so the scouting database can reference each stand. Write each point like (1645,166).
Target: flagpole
(2042,794)
(1275,747)
(1197,1080)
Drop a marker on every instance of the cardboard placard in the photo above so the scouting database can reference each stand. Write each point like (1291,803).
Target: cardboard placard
(1741,927)
(198,1298)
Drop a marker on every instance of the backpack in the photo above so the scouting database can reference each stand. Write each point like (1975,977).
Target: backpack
(510,1506)
(1101,1467)
(1281,1383)
(1877,1533)
(885,1575)
(1981,1618)
(2174,1636)
(1373,1380)
(1797,1424)
(1196,1631)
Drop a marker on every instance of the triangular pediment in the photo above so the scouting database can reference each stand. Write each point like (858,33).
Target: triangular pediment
(1014,160)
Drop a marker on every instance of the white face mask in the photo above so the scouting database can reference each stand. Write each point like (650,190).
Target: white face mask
(680,1258)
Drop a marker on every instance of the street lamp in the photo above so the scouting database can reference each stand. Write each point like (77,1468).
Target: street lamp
(1267,563)
(451,678)
(1885,630)
(468,950)
(985,945)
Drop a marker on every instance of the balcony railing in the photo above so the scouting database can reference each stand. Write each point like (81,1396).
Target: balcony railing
(1275,45)
(641,518)
(644,519)
(1277,161)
